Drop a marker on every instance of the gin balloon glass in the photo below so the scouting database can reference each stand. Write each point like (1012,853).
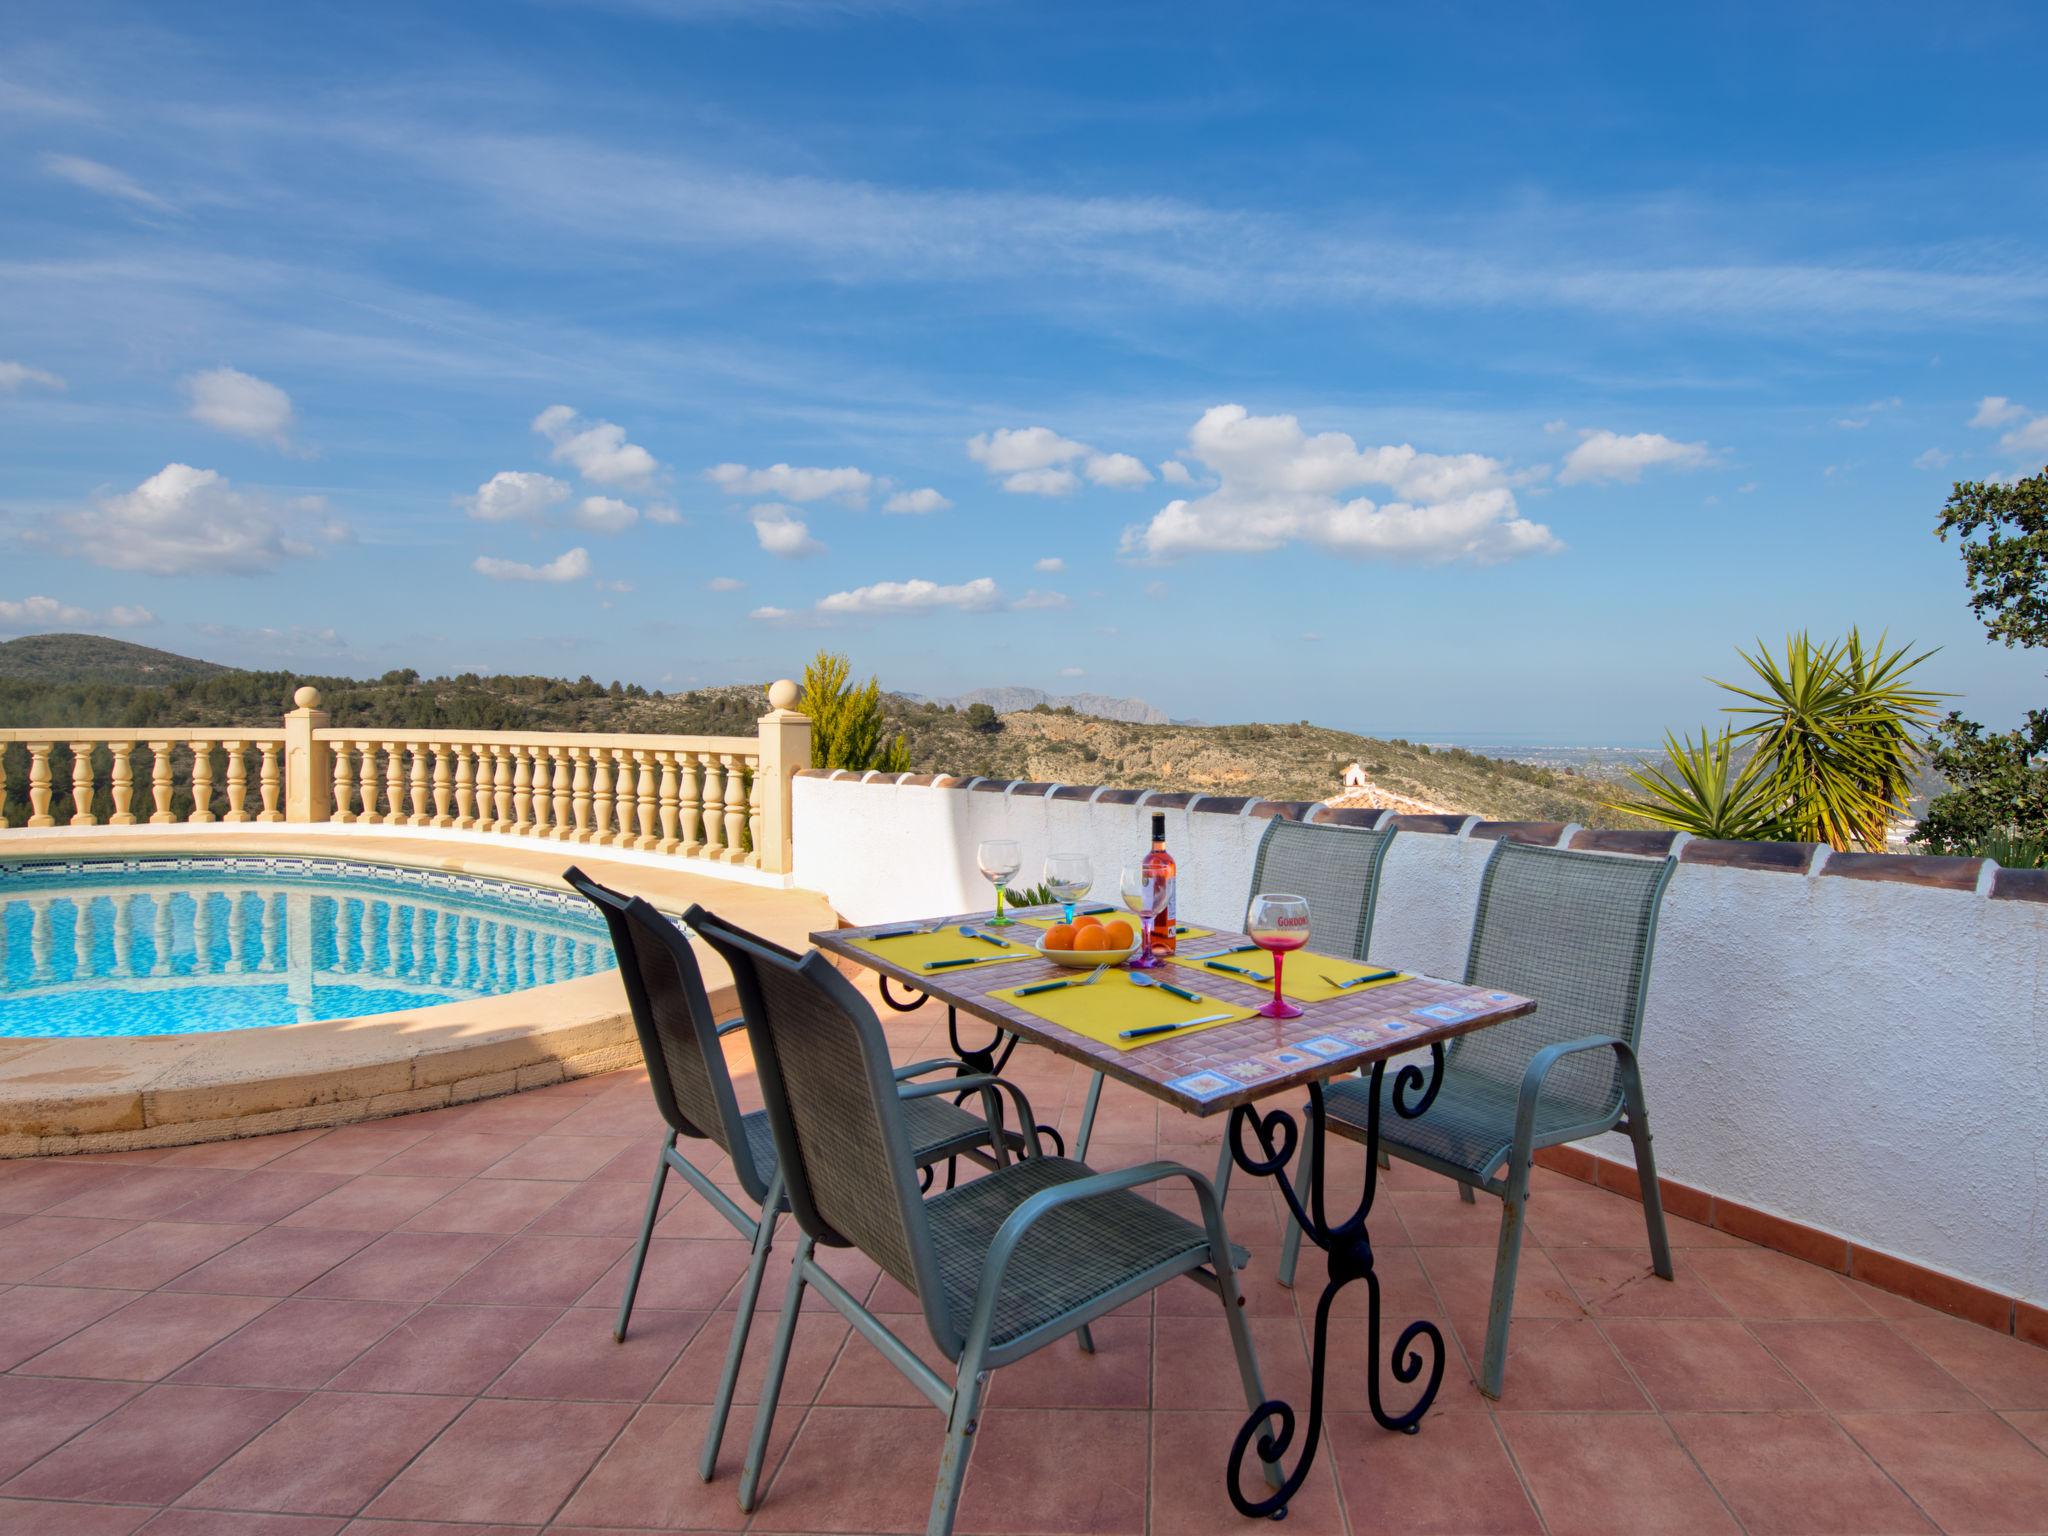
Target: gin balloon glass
(1144,896)
(999,859)
(1277,923)
(1070,877)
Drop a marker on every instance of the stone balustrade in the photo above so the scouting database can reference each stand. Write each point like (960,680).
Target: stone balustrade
(725,799)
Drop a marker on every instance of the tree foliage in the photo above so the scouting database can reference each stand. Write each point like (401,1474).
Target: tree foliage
(1996,805)
(1710,791)
(848,723)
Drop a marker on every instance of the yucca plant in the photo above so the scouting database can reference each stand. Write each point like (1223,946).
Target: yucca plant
(1834,732)
(1841,731)
(1707,792)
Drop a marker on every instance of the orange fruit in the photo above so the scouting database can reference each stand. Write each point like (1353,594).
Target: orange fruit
(1094,936)
(1090,921)
(1121,935)
(1059,936)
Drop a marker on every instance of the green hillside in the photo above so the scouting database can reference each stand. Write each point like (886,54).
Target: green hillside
(85,684)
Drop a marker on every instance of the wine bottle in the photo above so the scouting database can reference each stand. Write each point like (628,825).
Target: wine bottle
(1160,870)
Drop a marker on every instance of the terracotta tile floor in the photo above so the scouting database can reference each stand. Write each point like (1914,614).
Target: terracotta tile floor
(404,1328)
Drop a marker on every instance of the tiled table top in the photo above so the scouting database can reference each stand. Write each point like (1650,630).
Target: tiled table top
(1217,1069)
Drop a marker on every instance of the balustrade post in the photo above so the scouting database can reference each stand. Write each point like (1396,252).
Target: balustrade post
(785,737)
(501,776)
(600,796)
(650,795)
(579,795)
(735,809)
(543,792)
(81,785)
(367,781)
(160,781)
(669,841)
(690,803)
(308,763)
(714,806)
(754,815)
(465,786)
(238,780)
(202,781)
(394,784)
(522,792)
(345,781)
(121,783)
(444,785)
(267,784)
(39,784)
(420,818)
(563,830)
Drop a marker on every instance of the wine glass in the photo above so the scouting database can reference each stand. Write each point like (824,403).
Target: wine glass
(1144,896)
(1277,923)
(1070,877)
(999,859)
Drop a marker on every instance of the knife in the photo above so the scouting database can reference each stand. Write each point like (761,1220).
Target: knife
(1167,1029)
(1359,981)
(1236,970)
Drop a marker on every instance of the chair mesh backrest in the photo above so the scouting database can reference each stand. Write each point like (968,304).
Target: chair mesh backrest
(672,1015)
(1574,931)
(1336,868)
(831,1096)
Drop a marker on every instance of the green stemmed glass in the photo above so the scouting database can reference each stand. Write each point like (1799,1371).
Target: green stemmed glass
(999,859)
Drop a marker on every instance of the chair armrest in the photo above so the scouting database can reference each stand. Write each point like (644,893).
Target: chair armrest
(732,1026)
(1004,1245)
(919,1068)
(1539,1069)
(988,1086)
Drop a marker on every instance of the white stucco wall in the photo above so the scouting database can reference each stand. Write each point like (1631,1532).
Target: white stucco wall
(1863,1057)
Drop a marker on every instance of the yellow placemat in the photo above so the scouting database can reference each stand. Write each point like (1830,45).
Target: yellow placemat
(919,951)
(1106,914)
(1307,978)
(1114,1003)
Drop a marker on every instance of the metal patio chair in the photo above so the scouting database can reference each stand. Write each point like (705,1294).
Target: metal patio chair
(692,1086)
(1575,931)
(1001,1266)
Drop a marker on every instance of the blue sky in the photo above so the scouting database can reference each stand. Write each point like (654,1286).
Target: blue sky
(1466,372)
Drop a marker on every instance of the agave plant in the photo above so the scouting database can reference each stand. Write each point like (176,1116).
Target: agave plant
(1841,730)
(1707,793)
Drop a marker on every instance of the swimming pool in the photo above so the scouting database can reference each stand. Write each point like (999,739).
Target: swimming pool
(177,945)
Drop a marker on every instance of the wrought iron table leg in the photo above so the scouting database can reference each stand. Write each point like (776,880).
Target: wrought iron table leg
(1348,1249)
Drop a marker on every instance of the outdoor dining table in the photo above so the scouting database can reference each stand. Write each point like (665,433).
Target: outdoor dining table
(1230,1068)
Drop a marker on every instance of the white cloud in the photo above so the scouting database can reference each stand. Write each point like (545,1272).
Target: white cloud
(1933,458)
(798,483)
(1010,449)
(1035,599)
(771,615)
(1072,672)
(724,584)
(105,180)
(605,514)
(1037,461)
(1051,565)
(239,404)
(597,450)
(2029,439)
(1173,472)
(918,502)
(662,512)
(913,596)
(183,521)
(1279,485)
(1852,423)
(15,377)
(1119,471)
(569,565)
(1996,411)
(514,496)
(1748,487)
(1604,455)
(781,532)
(41,612)
(1555,427)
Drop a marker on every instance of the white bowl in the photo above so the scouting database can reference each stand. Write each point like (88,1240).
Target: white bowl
(1087,958)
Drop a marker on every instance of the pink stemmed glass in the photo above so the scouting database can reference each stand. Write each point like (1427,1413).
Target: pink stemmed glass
(1277,924)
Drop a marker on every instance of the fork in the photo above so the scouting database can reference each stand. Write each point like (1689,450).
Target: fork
(1138,979)
(1055,986)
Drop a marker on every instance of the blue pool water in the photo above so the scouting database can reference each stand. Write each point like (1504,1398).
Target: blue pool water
(167,946)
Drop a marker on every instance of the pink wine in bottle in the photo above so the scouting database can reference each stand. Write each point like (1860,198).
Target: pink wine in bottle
(1159,871)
